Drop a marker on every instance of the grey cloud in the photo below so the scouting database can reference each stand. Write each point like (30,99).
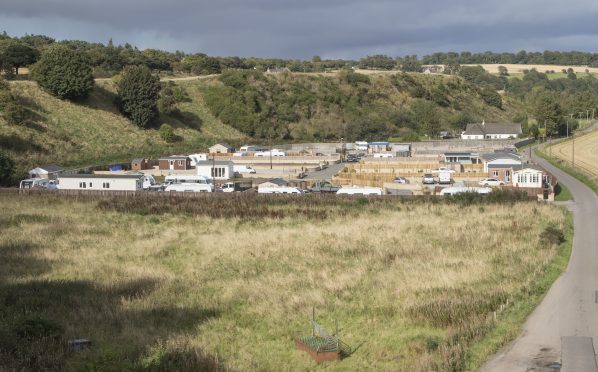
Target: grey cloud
(301,29)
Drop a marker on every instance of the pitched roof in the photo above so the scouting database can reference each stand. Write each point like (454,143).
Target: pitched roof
(224,145)
(492,128)
(139,160)
(52,168)
(519,168)
(279,181)
(175,157)
(212,162)
(500,155)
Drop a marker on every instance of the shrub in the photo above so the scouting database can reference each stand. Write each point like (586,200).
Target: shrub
(551,236)
(7,169)
(14,113)
(167,133)
(64,73)
(138,92)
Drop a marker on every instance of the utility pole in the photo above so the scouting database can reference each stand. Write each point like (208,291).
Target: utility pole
(573,151)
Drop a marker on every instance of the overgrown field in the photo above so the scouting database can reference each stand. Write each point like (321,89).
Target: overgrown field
(161,284)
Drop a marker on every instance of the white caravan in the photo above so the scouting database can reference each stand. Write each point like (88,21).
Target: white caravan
(361,145)
(189,187)
(460,190)
(42,183)
(196,158)
(278,190)
(355,190)
(184,178)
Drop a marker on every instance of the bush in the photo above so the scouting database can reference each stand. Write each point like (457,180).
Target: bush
(64,73)
(167,133)
(138,92)
(7,169)
(491,97)
(551,236)
(14,113)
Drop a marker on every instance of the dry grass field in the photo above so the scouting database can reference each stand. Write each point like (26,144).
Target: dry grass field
(586,153)
(226,284)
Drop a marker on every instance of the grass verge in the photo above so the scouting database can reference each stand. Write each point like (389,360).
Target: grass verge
(511,321)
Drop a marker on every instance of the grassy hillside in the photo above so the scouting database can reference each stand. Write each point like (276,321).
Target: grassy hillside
(191,284)
(349,105)
(94,132)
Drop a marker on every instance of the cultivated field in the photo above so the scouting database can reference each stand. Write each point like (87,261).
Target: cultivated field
(586,152)
(213,283)
(518,69)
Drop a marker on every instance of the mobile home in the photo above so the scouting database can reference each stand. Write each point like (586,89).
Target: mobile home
(105,182)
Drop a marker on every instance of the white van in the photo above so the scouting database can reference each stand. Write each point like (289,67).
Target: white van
(183,178)
(361,145)
(279,190)
(189,187)
(42,183)
(359,191)
(148,181)
(274,152)
(243,169)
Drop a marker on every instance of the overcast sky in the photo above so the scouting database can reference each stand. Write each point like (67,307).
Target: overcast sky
(302,29)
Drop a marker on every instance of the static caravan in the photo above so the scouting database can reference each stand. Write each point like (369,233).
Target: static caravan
(278,190)
(105,182)
(359,191)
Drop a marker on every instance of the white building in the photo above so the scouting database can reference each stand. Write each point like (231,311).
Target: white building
(480,131)
(105,182)
(218,169)
(528,177)
(47,171)
(221,148)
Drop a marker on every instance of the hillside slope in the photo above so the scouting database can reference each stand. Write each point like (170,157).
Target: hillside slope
(325,107)
(94,132)
(240,106)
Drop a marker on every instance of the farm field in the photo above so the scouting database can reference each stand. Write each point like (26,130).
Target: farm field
(586,152)
(217,283)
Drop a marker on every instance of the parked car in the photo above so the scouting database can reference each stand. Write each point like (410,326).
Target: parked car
(402,180)
(383,155)
(491,182)
(428,179)
(324,186)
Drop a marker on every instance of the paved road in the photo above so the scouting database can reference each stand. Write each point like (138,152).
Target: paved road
(325,174)
(571,306)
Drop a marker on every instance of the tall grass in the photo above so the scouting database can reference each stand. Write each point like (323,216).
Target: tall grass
(413,284)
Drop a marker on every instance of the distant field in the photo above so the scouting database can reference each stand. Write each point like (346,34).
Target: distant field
(518,69)
(586,152)
(214,283)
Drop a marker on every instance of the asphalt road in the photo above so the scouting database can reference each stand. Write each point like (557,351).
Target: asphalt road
(325,174)
(571,306)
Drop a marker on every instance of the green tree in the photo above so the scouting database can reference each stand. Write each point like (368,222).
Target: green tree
(547,110)
(411,65)
(138,92)
(426,116)
(167,133)
(17,54)
(491,97)
(64,72)
(7,169)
